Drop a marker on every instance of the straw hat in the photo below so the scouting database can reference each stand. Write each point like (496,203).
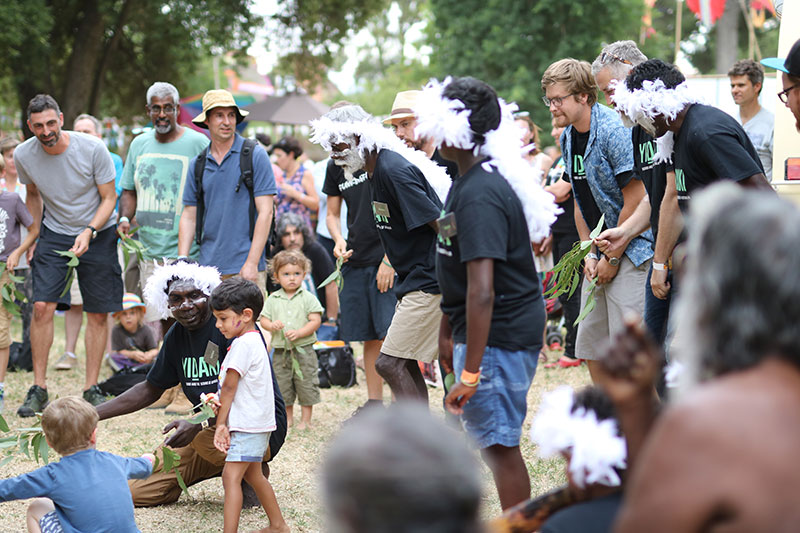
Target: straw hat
(403,106)
(218,98)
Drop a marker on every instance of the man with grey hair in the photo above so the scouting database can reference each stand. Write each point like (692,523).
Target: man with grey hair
(747,80)
(401,471)
(406,190)
(612,66)
(158,161)
(720,456)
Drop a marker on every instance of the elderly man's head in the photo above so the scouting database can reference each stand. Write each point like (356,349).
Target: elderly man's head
(345,153)
(399,470)
(163,106)
(293,231)
(182,289)
(741,296)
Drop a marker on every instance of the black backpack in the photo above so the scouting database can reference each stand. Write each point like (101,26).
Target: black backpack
(336,367)
(246,177)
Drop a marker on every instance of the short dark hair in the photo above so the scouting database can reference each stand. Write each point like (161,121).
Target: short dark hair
(289,144)
(481,100)
(237,294)
(593,398)
(752,69)
(654,69)
(41,102)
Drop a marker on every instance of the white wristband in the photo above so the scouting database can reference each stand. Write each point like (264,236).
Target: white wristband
(123,219)
(592,255)
(660,266)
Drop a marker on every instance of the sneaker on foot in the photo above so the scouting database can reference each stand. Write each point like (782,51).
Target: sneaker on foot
(67,361)
(35,402)
(94,395)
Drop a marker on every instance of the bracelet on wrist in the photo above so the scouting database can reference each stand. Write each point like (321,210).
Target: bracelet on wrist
(123,219)
(387,263)
(660,266)
(592,255)
(470,379)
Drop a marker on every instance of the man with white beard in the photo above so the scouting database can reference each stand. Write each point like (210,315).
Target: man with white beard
(406,191)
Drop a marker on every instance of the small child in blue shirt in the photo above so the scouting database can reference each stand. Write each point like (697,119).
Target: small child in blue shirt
(87,490)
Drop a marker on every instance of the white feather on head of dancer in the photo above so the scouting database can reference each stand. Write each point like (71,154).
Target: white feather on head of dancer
(595,446)
(446,121)
(641,106)
(366,135)
(205,278)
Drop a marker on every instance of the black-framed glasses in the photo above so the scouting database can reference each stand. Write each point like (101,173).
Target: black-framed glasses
(157,109)
(609,56)
(784,95)
(557,101)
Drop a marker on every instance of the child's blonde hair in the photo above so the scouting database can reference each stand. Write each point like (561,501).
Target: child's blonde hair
(288,257)
(68,424)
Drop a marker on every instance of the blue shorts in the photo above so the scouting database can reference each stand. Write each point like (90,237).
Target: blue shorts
(494,415)
(365,312)
(50,523)
(247,447)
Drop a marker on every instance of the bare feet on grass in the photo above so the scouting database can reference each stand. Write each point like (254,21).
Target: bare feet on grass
(275,529)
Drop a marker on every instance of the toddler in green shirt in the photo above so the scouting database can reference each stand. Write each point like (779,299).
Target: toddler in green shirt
(293,316)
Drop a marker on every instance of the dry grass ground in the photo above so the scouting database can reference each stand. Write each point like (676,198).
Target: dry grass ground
(294,470)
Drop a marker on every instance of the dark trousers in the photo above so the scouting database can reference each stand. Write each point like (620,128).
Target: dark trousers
(563,243)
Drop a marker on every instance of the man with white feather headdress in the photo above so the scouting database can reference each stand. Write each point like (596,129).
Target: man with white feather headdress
(407,191)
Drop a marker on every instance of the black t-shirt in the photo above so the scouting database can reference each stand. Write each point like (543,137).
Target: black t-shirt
(450,166)
(193,359)
(652,174)
(362,236)
(565,222)
(403,203)
(321,267)
(595,516)
(709,147)
(489,223)
(580,185)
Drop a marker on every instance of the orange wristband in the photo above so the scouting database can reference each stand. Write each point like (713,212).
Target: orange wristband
(470,379)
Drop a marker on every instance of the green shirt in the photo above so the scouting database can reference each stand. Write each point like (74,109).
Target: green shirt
(157,172)
(293,312)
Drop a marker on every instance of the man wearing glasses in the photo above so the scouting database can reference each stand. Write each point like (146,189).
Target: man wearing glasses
(152,182)
(598,156)
(790,95)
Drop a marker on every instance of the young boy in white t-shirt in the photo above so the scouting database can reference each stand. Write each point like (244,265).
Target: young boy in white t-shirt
(246,414)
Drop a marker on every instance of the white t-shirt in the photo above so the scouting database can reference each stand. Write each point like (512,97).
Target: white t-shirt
(760,130)
(253,408)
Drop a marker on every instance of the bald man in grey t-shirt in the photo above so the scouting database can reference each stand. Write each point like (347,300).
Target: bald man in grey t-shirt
(70,192)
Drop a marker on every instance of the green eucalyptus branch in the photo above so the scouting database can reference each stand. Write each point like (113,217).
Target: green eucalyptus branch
(336,276)
(71,265)
(22,441)
(131,247)
(9,292)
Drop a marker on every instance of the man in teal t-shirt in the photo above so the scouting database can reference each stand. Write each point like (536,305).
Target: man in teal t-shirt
(153,179)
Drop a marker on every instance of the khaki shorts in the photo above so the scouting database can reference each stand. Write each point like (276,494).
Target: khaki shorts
(305,390)
(615,300)
(262,283)
(414,331)
(199,460)
(5,317)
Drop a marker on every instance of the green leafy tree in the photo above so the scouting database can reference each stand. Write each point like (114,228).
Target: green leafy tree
(510,44)
(103,54)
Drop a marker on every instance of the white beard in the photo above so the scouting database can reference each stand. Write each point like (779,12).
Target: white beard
(351,162)
(647,124)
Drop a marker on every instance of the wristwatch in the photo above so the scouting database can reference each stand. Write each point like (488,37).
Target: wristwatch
(613,261)
(204,424)
(94,230)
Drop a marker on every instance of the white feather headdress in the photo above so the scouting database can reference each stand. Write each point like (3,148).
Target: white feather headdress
(654,98)
(595,446)
(205,278)
(447,121)
(373,136)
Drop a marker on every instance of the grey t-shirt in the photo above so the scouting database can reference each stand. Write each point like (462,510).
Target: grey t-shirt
(13,214)
(760,130)
(68,181)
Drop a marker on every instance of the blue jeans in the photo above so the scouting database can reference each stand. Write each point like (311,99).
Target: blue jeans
(656,310)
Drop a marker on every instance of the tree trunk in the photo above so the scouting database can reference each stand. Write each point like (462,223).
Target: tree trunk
(727,51)
(109,49)
(82,63)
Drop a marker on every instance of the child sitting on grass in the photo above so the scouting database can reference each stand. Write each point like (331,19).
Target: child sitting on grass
(13,214)
(246,414)
(293,316)
(132,343)
(86,490)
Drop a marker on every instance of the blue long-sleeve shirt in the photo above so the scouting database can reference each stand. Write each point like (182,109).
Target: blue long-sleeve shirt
(89,489)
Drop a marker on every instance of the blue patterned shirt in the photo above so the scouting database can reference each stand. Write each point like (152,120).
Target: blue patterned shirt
(609,152)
